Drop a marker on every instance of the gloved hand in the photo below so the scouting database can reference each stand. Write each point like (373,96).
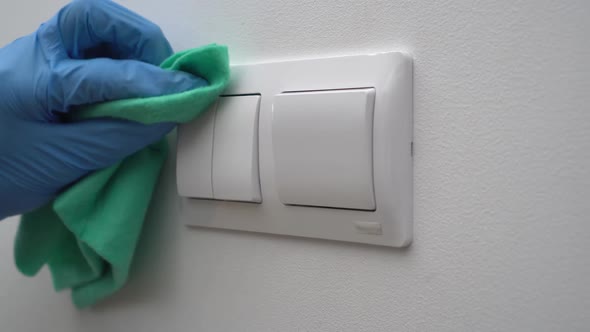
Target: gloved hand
(91,51)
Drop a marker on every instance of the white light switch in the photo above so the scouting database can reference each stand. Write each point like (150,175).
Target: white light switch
(323,148)
(235,149)
(327,141)
(195,150)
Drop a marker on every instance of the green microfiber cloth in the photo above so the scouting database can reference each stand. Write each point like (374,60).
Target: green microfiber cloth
(88,234)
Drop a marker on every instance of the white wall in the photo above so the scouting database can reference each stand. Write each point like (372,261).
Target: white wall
(502,182)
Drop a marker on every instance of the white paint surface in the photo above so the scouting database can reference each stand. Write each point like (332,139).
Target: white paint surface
(502,183)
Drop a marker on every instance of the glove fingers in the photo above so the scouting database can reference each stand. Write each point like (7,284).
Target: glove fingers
(95,28)
(63,153)
(82,82)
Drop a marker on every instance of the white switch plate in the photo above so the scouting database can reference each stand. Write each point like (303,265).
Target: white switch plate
(390,224)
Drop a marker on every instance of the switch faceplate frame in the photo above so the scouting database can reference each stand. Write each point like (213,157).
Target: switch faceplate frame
(391,75)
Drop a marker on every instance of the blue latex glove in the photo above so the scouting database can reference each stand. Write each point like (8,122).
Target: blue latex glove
(91,51)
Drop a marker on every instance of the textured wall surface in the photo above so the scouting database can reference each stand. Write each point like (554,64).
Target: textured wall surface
(502,182)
